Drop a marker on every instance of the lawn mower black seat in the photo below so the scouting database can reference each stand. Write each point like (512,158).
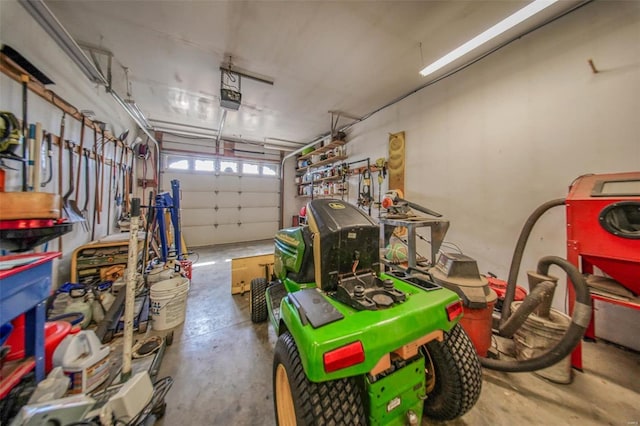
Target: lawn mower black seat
(345,240)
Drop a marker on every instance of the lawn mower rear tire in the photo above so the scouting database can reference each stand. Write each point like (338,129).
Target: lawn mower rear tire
(258,300)
(457,376)
(298,401)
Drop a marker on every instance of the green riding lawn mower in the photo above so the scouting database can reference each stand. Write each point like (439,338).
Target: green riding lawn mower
(357,345)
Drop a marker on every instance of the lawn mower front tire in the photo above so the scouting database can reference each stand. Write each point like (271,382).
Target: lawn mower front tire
(258,300)
(298,401)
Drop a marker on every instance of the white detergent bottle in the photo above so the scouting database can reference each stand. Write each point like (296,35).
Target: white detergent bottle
(84,360)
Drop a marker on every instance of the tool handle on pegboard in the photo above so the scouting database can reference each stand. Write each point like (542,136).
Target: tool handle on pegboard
(135,207)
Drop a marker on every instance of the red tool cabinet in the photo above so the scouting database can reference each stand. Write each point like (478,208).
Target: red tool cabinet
(603,236)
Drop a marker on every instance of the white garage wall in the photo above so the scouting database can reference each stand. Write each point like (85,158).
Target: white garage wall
(488,145)
(21,32)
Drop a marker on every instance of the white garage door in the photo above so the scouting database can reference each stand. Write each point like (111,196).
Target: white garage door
(218,207)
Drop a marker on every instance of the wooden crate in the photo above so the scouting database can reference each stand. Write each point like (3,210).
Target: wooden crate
(107,252)
(244,269)
(29,205)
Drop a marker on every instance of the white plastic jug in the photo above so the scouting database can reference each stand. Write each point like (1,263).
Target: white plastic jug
(79,305)
(160,273)
(84,360)
(101,305)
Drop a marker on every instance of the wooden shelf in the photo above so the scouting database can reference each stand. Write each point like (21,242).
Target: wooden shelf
(327,147)
(324,179)
(322,163)
(323,196)
(328,178)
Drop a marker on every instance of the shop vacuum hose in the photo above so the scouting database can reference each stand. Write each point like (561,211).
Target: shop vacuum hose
(510,323)
(518,252)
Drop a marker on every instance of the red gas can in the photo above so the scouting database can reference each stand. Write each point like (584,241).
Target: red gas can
(54,332)
(500,287)
(186,265)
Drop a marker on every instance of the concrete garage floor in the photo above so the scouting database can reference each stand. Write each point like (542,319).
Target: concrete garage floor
(221,365)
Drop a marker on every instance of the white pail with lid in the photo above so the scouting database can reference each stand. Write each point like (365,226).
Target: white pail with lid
(169,302)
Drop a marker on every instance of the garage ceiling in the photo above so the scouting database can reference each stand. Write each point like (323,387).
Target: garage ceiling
(349,56)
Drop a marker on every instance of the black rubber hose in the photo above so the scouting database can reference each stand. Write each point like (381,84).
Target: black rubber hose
(579,322)
(518,252)
(579,284)
(529,304)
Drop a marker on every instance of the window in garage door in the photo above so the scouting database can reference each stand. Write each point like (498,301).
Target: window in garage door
(225,200)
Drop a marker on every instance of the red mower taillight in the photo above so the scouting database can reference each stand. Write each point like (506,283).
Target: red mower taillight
(343,357)
(454,310)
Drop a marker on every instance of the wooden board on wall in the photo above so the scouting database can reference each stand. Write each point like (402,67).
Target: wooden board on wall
(396,161)
(244,269)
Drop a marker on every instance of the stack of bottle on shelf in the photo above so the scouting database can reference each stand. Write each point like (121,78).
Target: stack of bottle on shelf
(337,151)
(315,185)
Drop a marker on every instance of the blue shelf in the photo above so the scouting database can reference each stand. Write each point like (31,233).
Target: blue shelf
(25,284)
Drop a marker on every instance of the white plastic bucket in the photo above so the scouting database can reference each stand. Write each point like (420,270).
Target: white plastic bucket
(169,302)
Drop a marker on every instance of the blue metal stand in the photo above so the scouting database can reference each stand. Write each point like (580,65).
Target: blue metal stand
(24,289)
(172,203)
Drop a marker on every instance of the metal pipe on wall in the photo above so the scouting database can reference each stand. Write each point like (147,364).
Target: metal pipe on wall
(123,104)
(220,127)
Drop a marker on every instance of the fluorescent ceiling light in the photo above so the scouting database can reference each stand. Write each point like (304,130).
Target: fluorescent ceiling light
(182,126)
(276,141)
(43,16)
(178,132)
(499,28)
(278,147)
